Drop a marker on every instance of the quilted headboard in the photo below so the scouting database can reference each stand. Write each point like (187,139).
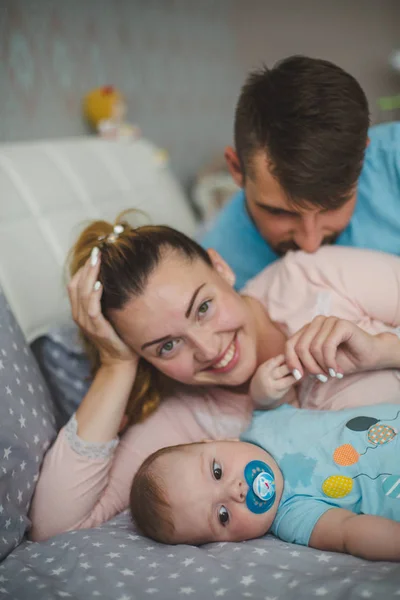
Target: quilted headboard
(49,189)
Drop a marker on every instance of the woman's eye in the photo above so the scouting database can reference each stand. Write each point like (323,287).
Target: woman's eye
(167,347)
(203,308)
(217,470)
(223,516)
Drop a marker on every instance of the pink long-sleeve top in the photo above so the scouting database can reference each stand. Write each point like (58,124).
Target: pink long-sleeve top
(82,484)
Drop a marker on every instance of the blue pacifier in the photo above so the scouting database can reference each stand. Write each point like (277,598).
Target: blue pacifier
(261,481)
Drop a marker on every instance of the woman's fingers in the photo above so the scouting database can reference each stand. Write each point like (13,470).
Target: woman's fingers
(321,341)
(340,333)
(298,350)
(73,293)
(314,348)
(88,293)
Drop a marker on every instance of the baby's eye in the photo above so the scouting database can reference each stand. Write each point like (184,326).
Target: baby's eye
(223,516)
(167,347)
(203,308)
(217,470)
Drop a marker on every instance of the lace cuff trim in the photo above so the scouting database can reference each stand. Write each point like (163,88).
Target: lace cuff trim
(93,450)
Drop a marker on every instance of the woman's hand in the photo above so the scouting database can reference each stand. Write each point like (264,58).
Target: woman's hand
(332,346)
(271,382)
(84,292)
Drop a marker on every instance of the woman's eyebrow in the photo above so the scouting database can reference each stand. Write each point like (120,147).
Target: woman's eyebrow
(187,315)
(192,301)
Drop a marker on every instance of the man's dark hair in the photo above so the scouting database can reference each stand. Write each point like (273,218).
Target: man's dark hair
(311,118)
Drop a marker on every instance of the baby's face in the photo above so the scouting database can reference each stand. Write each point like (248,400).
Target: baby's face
(206,488)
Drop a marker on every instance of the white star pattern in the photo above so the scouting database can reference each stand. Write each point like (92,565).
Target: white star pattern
(188,561)
(321,591)
(260,551)
(187,591)
(58,571)
(247,580)
(127,572)
(323,557)
(277,575)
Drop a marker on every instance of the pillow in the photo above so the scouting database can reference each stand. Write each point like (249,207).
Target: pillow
(27,427)
(65,367)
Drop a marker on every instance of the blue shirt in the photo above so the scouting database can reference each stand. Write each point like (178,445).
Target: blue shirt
(375,223)
(346,459)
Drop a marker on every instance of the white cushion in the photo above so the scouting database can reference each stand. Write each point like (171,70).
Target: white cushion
(48,191)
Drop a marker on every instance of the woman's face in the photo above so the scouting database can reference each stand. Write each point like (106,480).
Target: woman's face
(191,324)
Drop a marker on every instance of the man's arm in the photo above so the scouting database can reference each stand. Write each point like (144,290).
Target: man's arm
(365,536)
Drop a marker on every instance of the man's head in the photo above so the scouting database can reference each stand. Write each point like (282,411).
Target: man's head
(301,130)
(199,493)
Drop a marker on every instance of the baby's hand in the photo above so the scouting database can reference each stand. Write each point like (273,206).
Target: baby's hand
(272,380)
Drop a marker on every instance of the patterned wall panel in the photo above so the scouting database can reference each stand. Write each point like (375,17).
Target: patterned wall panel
(179,62)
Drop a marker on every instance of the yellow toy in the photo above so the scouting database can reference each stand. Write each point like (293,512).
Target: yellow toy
(105,109)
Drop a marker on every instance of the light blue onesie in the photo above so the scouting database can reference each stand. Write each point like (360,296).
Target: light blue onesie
(348,459)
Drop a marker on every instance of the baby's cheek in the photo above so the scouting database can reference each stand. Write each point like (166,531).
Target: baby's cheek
(251,526)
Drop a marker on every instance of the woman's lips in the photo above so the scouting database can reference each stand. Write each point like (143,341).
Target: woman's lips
(229,359)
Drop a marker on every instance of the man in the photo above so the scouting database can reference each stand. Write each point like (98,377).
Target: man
(310,170)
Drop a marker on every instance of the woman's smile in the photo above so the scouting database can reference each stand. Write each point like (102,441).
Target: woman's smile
(228,360)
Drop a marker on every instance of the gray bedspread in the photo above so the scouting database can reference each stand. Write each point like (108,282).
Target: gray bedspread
(114,562)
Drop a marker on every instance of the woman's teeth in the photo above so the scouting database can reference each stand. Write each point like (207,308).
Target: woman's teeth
(227,358)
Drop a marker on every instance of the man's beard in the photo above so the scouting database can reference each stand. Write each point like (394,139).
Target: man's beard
(284,247)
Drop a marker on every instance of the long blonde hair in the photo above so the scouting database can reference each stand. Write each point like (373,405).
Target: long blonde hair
(127,260)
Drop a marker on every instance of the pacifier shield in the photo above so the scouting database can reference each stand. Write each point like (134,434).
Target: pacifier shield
(261,481)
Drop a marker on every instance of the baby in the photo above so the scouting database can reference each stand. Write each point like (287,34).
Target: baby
(330,480)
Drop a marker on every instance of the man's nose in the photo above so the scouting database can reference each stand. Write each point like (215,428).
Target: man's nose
(238,490)
(309,235)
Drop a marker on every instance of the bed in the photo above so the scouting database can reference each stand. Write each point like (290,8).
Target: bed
(47,190)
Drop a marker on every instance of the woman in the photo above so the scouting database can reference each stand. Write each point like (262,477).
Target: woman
(158,312)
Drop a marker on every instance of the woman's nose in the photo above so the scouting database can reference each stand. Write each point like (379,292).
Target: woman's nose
(206,346)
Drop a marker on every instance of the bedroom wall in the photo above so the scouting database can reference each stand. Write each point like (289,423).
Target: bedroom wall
(179,62)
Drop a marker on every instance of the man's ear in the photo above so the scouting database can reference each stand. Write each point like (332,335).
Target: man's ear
(222,267)
(233,162)
(368,142)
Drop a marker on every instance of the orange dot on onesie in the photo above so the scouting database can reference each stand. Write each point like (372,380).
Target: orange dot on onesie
(345,455)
